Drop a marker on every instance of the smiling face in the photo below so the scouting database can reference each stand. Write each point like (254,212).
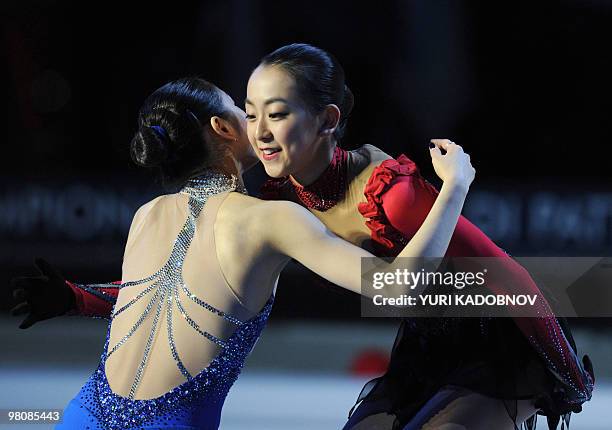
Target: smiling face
(282,131)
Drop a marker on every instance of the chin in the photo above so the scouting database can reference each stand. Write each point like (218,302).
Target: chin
(275,171)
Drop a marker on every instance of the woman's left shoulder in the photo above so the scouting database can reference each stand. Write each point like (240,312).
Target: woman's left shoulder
(363,160)
(369,161)
(371,154)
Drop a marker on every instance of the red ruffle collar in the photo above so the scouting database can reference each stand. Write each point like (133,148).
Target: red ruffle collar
(323,194)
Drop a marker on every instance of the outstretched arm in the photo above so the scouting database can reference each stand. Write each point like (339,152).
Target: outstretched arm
(94,300)
(48,295)
(298,234)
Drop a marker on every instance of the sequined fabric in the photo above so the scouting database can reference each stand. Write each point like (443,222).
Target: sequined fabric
(322,194)
(94,300)
(198,401)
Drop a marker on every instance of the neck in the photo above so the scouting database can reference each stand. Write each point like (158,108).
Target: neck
(228,166)
(231,166)
(320,161)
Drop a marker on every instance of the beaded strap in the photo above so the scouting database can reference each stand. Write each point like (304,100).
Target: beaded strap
(166,281)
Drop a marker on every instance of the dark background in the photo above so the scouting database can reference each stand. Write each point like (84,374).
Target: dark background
(523,86)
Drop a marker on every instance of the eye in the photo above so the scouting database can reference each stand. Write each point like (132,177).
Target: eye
(249,117)
(278,115)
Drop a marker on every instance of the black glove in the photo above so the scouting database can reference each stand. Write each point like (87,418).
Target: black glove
(42,297)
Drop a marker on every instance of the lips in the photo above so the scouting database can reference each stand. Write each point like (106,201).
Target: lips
(269,153)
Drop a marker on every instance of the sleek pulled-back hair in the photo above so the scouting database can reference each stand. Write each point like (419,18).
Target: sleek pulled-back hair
(319,78)
(171,134)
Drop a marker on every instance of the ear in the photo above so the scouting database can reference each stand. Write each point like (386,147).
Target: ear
(223,128)
(330,118)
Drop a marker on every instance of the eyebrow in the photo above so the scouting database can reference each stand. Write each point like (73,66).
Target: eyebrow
(269,101)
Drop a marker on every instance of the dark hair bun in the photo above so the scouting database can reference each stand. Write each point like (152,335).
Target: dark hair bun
(170,134)
(149,147)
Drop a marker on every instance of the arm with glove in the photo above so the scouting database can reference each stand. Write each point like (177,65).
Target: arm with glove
(48,295)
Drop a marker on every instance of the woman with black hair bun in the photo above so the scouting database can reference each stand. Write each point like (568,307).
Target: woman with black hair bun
(201,265)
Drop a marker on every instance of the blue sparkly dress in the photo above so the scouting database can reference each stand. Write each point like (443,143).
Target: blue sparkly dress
(197,402)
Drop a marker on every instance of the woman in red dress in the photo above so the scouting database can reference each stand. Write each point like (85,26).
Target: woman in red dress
(441,369)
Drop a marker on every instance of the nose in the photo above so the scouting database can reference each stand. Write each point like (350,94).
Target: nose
(262,132)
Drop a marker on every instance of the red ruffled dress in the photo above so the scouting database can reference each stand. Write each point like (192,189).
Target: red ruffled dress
(508,358)
(520,358)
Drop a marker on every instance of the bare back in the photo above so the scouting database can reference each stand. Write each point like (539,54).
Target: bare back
(202,298)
